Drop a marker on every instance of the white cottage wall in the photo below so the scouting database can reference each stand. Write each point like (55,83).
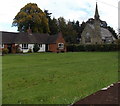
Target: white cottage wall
(42,48)
(31,46)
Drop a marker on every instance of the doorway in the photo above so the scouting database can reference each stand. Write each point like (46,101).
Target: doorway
(46,47)
(9,46)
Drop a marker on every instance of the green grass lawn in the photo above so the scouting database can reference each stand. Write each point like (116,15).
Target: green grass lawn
(51,78)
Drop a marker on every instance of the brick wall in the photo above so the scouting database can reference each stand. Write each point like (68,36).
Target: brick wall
(54,47)
(12,48)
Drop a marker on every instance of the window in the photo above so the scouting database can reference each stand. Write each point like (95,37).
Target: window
(87,40)
(24,46)
(108,40)
(60,45)
(2,45)
(39,45)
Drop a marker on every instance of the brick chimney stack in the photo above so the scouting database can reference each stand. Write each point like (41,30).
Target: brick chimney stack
(29,31)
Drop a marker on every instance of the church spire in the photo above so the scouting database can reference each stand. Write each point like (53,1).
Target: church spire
(96,13)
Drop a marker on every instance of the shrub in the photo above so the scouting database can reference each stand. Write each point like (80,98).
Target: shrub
(80,47)
(5,51)
(30,51)
(118,41)
(36,48)
(18,49)
(97,47)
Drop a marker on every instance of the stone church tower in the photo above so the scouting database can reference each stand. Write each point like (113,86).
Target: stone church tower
(97,35)
(94,33)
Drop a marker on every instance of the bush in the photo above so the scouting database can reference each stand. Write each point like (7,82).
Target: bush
(5,51)
(36,48)
(97,47)
(118,41)
(30,51)
(80,48)
(18,49)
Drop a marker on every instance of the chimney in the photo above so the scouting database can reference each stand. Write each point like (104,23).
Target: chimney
(29,31)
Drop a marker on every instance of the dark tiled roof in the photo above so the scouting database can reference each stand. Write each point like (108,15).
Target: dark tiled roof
(8,37)
(52,38)
(11,37)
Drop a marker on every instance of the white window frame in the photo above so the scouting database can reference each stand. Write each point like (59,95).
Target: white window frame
(2,45)
(24,46)
(61,45)
(39,45)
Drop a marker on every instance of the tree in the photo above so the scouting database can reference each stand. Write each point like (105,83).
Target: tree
(53,26)
(61,24)
(82,27)
(31,16)
(69,34)
(36,48)
(77,28)
(48,15)
(112,31)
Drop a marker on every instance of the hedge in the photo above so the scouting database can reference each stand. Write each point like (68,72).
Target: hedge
(97,47)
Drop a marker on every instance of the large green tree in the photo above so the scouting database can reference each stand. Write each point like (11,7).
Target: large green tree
(31,16)
(69,34)
(53,26)
(112,31)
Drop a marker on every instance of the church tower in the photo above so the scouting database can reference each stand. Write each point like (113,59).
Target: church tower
(96,16)
(97,33)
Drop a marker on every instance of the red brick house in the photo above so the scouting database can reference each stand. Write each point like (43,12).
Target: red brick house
(58,44)
(26,41)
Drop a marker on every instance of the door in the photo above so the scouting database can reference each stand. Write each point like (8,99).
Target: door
(9,46)
(46,48)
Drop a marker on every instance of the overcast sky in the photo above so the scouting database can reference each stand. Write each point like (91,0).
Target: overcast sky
(80,10)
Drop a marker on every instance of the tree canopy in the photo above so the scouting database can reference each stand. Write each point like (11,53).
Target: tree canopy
(31,16)
(53,24)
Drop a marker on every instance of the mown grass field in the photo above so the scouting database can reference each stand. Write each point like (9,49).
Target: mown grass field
(51,78)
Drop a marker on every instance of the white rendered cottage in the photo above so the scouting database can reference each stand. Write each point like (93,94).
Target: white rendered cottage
(26,41)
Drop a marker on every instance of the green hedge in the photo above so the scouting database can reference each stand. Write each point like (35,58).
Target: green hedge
(100,47)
